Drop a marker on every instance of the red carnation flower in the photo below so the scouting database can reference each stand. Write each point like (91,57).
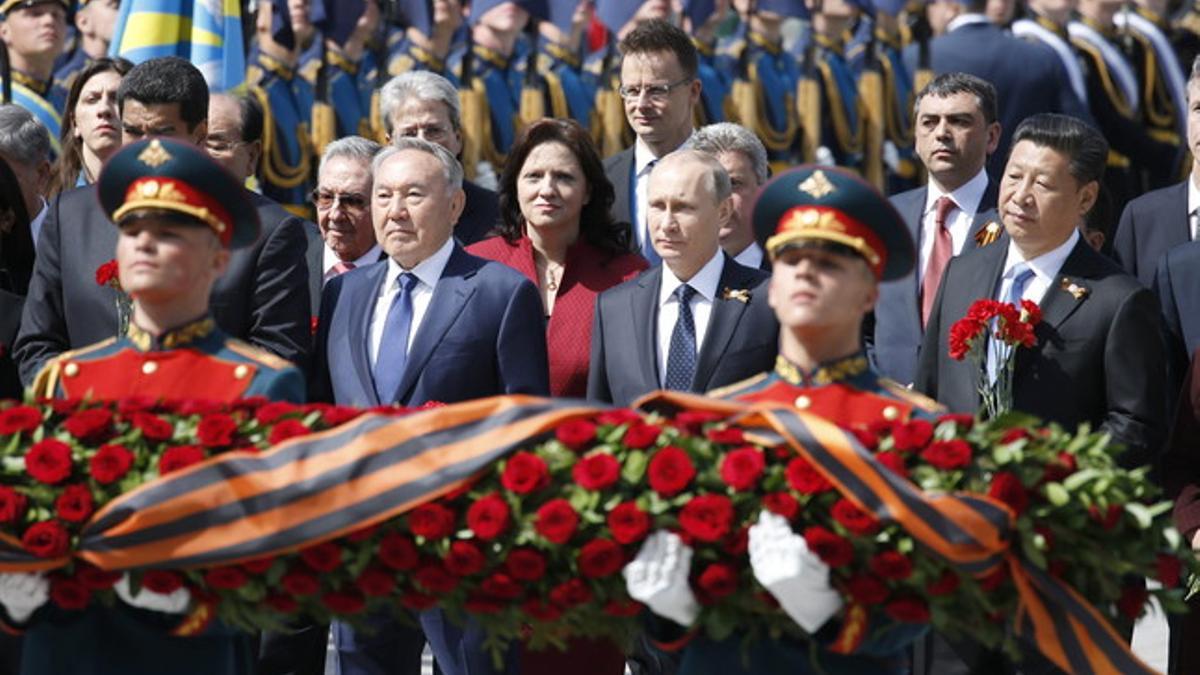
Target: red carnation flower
(891,565)
(805,479)
(19,419)
(323,557)
(435,579)
(274,411)
(866,589)
(488,517)
(70,594)
(49,461)
(431,521)
(216,431)
(286,429)
(89,425)
(1169,569)
(1064,466)
(300,582)
(741,468)
(1006,487)
(781,503)
(571,593)
(1109,518)
(110,463)
(948,455)
(12,505)
(375,582)
(912,435)
(226,578)
(108,273)
(259,565)
(464,559)
(524,472)
(46,539)
(540,610)
(726,435)
(984,309)
(628,523)
(596,471)
(717,581)
(556,521)
(163,582)
(831,548)
(398,552)
(75,503)
(849,516)
(526,564)
(344,602)
(575,434)
(670,471)
(600,558)
(95,578)
(153,427)
(640,435)
(943,585)
(617,417)
(179,457)
(963,334)
(284,604)
(418,602)
(501,586)
(1132,601)
(895,462)
(908,610)
(707,517)
(622,608)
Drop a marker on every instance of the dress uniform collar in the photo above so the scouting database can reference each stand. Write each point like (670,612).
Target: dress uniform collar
(1053,27)
(892,39)
(760,40)
(426,57)
(830,372)
(1109,32)
(39,87)
(187,334)
(561,53)
(1153,17)
(832,44)
(491,56)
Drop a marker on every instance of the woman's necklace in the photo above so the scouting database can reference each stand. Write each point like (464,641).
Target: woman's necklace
(553,275)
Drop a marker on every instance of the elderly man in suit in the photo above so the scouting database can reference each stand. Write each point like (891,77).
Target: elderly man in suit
(263,296)
(698,320)
(429,323)
(661,90)
(955,130)
(745,160)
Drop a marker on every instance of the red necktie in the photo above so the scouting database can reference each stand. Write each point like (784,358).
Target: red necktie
(342,267)
(943,249)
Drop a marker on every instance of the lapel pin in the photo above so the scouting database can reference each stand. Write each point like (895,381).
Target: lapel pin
(987,234)
(742,295)
(1078,292)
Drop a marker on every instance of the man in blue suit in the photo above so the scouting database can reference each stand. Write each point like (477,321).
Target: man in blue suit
(955,131)
(430,323)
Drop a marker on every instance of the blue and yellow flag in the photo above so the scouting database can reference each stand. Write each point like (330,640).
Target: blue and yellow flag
(206,32)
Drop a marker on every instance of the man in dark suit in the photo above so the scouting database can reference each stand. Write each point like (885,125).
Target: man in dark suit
(431,323)
(1176,284)
(697,321)
(660,90)
(745,160)
(425,105)
(955,131)
(263,296)
(1157,221)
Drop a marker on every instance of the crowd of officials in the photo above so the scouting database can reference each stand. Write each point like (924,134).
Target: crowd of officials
(506,197)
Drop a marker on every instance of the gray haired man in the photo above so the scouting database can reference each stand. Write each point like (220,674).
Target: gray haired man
(25,146)
(745,160)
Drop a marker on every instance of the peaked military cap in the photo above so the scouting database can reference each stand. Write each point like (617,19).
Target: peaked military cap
(171,175)
(824,203)
(7,6)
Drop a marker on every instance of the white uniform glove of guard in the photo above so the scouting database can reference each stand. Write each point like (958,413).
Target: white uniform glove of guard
(22,593)
(175,602)
(794,575)
(658,578)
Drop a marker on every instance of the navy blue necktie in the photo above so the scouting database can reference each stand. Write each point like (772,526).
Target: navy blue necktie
(681,358)
(393,346)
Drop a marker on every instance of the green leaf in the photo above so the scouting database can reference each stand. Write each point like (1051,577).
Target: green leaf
(1057,494)
(634,469)
(1141,513)
(1079,478)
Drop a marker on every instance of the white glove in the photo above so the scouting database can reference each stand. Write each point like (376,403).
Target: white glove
(792,573)
(22,593)
(175,602)
(658,578)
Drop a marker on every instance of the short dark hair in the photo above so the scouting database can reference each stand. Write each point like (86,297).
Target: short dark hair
(596,224)
(657,35)
(1083,145)
(166,80)
(949,84)
(251,112)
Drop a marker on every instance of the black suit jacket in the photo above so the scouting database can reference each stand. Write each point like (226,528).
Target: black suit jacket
(742,338)
(314,258)
(262,297)
(1150,226)
(1098,358)
(1177,284)
(619,170)
(893,331)
(480,215)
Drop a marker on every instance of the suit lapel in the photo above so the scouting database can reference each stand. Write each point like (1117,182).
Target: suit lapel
(1069,289)
(364,295)
(726,313)
(914,217)
(643,321)
(622,168)
(1176,205)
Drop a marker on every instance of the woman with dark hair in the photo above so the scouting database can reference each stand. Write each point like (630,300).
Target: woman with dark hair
(91,124)
(557,231)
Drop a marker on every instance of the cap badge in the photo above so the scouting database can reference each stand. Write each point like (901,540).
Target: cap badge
(817,185)
(155,155)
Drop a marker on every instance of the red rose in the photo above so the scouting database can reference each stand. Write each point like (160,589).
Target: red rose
(781,503)
(1064,466)
(501,586)
(1168,570)
(707,517)
(600,558)
(891,565)
(107,273)
(623,608)
(70,594)
(49,461)
(216,431)
(575,434)
(849,516)
(1014,435)
(893,461)
(300,582)
(398,552)
(344,602)
(617,417)
(670,471)
(95,578)
(153,427)
(488,517)
(963,421)
(337,415)
(136,404)
(739,543)
(464,559)
(805,479)
(284,604)
(717,581)
(908,610)
(540,610)
(323,557)
(12,505)
(690,421)
(110,463)
(163,582)
(19,419)
(524,472)
(866,590)
(225,578)
(272,412)
(431,521)
(435,579)
(994,579)
(912,435)
(741,468)
(1132,601)
(1007,488)
(948,455)
(418,602)
(525,564)
(556,521)
(259,565)
(75,503)
(726,435)
(89,425)
(628,523)
(375,582)
(286,429)
(62,406)
(943,585)
(866,438)
(640,435)
(47,539)
(362,534)
(832,548)
(596,471)
(571,593)
(1109,518)
(179,457)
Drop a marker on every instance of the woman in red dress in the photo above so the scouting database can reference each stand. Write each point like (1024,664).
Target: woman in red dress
(556,230)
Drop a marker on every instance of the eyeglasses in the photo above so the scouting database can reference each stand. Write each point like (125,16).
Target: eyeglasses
(355,204)
(430,132)
(653,92)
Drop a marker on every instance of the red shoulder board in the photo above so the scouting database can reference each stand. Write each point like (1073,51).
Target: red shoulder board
(841,404)
(175,374)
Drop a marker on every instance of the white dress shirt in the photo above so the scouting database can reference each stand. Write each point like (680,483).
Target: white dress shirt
(1045,269)
(751,256)
(967,199)
(1193,203)
(428,271)
(705,284)
(642,156)
(329,259)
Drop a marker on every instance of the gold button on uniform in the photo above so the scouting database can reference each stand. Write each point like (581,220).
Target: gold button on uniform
(71,369)
(890,413)
(149,367)
(241,372)
(803,402)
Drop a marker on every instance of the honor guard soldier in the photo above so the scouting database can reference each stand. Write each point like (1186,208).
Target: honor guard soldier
(421,44)
(840,119)
(702,22)
(561,42)
(33,32)
(1185,32)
